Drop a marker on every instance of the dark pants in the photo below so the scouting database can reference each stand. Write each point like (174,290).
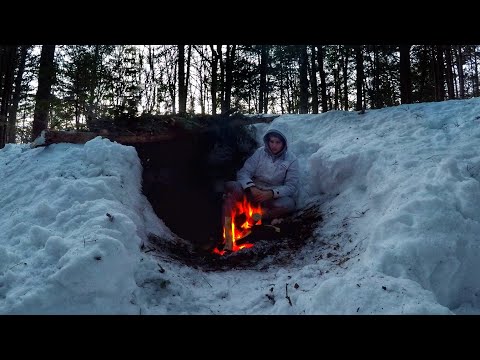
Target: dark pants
(271,209)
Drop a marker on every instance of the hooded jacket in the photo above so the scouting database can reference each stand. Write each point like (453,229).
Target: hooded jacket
(267,171)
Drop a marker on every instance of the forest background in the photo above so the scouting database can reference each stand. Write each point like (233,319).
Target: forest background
(70,87)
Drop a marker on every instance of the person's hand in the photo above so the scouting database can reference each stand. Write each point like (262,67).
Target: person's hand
(261,195)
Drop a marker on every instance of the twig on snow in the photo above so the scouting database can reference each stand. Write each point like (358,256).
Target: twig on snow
(286,295)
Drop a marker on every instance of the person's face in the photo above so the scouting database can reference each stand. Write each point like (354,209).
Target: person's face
(275,145)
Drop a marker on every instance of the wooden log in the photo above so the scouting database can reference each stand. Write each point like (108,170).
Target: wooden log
(81,137)
(228,233)
(55,137)
(241,218)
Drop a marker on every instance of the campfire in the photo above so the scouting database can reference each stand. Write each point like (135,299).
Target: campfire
(238,225)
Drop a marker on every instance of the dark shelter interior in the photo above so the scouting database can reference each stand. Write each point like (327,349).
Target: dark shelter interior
(183,177)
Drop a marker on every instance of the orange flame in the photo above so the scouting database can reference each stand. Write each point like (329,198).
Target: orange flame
(243,210)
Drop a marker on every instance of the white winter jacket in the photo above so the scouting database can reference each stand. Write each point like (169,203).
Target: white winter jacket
(271,172)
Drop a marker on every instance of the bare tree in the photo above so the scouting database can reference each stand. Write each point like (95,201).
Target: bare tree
(303,59)
(449,72)
(323,85)
(405,78)
(345,59)
(222,77)
(213,88)
(263,80)
(230,58)
(439,69)
(475,71)
(182,89)
(171,76)
(359,81)
(94,82)
(201,67)
(187,78)
(461,76)
(376,78)
(46,76)
(7,70)
(313,81)
(12,115)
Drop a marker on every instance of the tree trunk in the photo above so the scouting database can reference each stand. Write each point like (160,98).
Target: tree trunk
(282,89)
(8,69)
(12,115)
(475,67)
(263,80)
(229,77)
(376,79)
(336,82)
(222,78)
(77,100)
(461,77)
(313,82)
(405,78)
(449,72)
(434,72)
(303,108)
(46,75)
(213,89)
(359,82)
(440,69)
(93,85)
(151,105)
(323,84)
(346,51)
(187,78)
(423,73)
(182,90)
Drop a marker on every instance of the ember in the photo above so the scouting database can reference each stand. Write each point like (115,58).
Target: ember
(238,225)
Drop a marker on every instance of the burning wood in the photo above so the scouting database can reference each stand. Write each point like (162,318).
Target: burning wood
(238,224)
(238,228)
(228,236)
(240,220)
